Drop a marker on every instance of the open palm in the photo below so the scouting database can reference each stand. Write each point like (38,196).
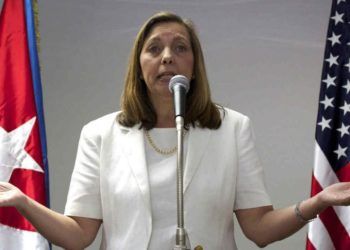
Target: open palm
(337,194)
(9,195)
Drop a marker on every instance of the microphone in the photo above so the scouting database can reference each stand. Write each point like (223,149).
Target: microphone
(179,86)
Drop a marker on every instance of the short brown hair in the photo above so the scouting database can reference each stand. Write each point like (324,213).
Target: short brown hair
(135,103)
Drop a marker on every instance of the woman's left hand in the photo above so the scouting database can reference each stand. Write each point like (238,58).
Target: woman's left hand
(336,195)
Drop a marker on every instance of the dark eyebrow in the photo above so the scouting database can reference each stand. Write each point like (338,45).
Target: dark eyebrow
(181,38)
(157,39)
(154,39)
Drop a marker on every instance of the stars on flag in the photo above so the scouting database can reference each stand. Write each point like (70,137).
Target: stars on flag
(332,60)
(345,107)
(325,123)
(344,130)
(340,151)
(12,150)
(348,65)
(329,81)
(333,123)
(335,39)
(347,86)
(327,102)
(338,18)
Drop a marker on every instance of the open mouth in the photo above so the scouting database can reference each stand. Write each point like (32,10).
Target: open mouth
(165,76)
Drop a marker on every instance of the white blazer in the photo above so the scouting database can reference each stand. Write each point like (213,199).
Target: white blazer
(222,173)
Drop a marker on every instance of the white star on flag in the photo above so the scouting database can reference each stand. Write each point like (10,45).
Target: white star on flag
(348,65)
(339,1)
(338,18)
(327,102)
(340,151)
(347,86)
(345,108)
(332,60)
(334,38)
(324,123)
(344,130)
(329,81)
(12,152)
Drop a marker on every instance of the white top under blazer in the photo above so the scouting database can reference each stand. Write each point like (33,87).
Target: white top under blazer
(222,173)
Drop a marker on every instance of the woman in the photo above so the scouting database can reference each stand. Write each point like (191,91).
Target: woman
(124,174)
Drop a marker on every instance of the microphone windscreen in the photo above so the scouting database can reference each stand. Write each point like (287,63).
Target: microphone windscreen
(179,80)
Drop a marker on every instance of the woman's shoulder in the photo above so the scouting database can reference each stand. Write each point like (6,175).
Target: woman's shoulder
(230,115)
(101,124)
(235,121)
(105,119)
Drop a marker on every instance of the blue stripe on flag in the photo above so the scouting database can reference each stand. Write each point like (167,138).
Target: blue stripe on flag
(34,62)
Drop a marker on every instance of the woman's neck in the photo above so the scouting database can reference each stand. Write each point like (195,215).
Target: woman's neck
(165,113)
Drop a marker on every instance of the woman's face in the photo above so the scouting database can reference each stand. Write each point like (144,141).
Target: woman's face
(166,52)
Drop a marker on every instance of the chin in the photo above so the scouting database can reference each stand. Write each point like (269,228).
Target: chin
(168,96)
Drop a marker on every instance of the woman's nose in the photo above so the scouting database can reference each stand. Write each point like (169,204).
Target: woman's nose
(167,57)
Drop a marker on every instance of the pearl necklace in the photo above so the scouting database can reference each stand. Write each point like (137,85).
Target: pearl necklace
(156,148)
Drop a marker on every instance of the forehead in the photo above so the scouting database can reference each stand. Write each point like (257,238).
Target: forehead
(168,30)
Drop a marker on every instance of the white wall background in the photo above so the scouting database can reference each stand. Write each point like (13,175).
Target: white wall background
(264,59)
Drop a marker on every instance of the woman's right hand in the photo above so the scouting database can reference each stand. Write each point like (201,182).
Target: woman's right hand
(10,195)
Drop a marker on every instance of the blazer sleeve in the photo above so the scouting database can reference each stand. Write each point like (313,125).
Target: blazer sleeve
(84,192)
(250,188)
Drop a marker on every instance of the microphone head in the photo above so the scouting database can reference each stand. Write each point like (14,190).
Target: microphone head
(179,80)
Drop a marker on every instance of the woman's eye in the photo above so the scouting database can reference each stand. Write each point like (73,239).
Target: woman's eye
(181,48)
(154,49)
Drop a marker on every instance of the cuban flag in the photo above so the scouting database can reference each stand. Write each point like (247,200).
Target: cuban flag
(23,160)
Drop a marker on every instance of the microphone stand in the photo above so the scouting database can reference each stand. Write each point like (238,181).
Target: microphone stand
(181,240)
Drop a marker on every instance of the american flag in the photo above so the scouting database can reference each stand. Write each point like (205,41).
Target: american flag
(23,160)
(331,230)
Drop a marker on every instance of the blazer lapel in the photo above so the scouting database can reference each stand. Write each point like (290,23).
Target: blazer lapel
(198,140)
(134,149)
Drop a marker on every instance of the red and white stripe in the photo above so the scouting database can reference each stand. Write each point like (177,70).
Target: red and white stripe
(331,230)
(14,239)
